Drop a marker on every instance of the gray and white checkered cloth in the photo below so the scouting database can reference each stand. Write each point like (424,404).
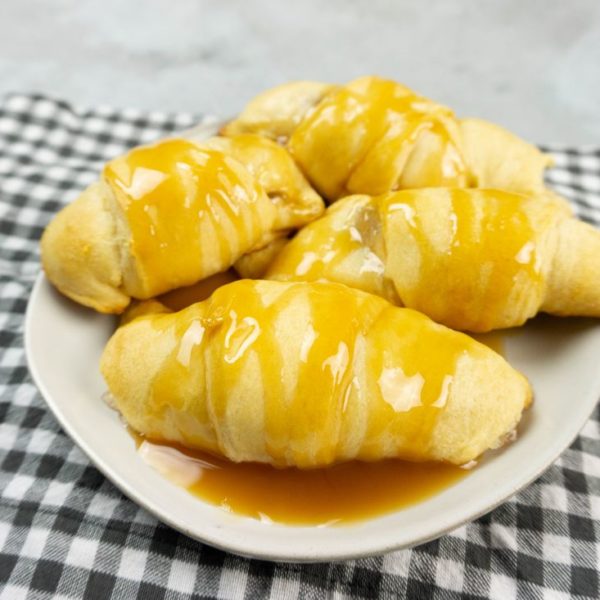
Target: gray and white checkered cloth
(66,532)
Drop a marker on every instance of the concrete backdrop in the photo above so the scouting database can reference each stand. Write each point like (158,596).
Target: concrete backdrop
(533,66)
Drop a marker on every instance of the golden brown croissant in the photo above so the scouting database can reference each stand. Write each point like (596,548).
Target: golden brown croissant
(299,374)
(373,136)
(167,215)
(471,259)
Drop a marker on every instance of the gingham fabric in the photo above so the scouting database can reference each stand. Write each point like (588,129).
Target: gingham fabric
(66,532)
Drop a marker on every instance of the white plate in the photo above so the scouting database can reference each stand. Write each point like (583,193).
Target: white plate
(64,342)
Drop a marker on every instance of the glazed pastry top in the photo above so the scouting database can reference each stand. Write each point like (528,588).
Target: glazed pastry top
(296,202)
(376,125)
(193,204)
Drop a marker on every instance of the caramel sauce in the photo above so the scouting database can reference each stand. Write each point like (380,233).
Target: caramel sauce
(336,495)
(191,212)
(361,137)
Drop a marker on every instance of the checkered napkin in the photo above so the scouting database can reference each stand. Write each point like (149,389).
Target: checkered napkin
(66,532)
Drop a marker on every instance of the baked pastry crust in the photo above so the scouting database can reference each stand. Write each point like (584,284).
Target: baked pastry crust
(306,375)
(373,135)
(471,259)
(167,215)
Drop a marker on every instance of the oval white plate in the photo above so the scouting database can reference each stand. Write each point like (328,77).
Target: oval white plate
(64,342)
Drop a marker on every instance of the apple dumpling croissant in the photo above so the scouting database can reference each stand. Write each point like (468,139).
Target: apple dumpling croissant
(169,214)
(309,374)
(471,259)
(373,136)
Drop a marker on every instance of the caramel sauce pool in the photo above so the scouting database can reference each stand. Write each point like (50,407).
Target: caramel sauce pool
(340,494)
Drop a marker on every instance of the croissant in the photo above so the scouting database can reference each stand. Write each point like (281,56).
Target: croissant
(306,375)
(167,215)
(296,201)
(470,259)
(373,136)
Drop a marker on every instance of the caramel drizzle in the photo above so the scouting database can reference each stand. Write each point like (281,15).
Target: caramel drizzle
(190,212)
(360,138)
(335,374)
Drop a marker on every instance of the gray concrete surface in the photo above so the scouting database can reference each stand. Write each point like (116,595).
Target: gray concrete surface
(533,66)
